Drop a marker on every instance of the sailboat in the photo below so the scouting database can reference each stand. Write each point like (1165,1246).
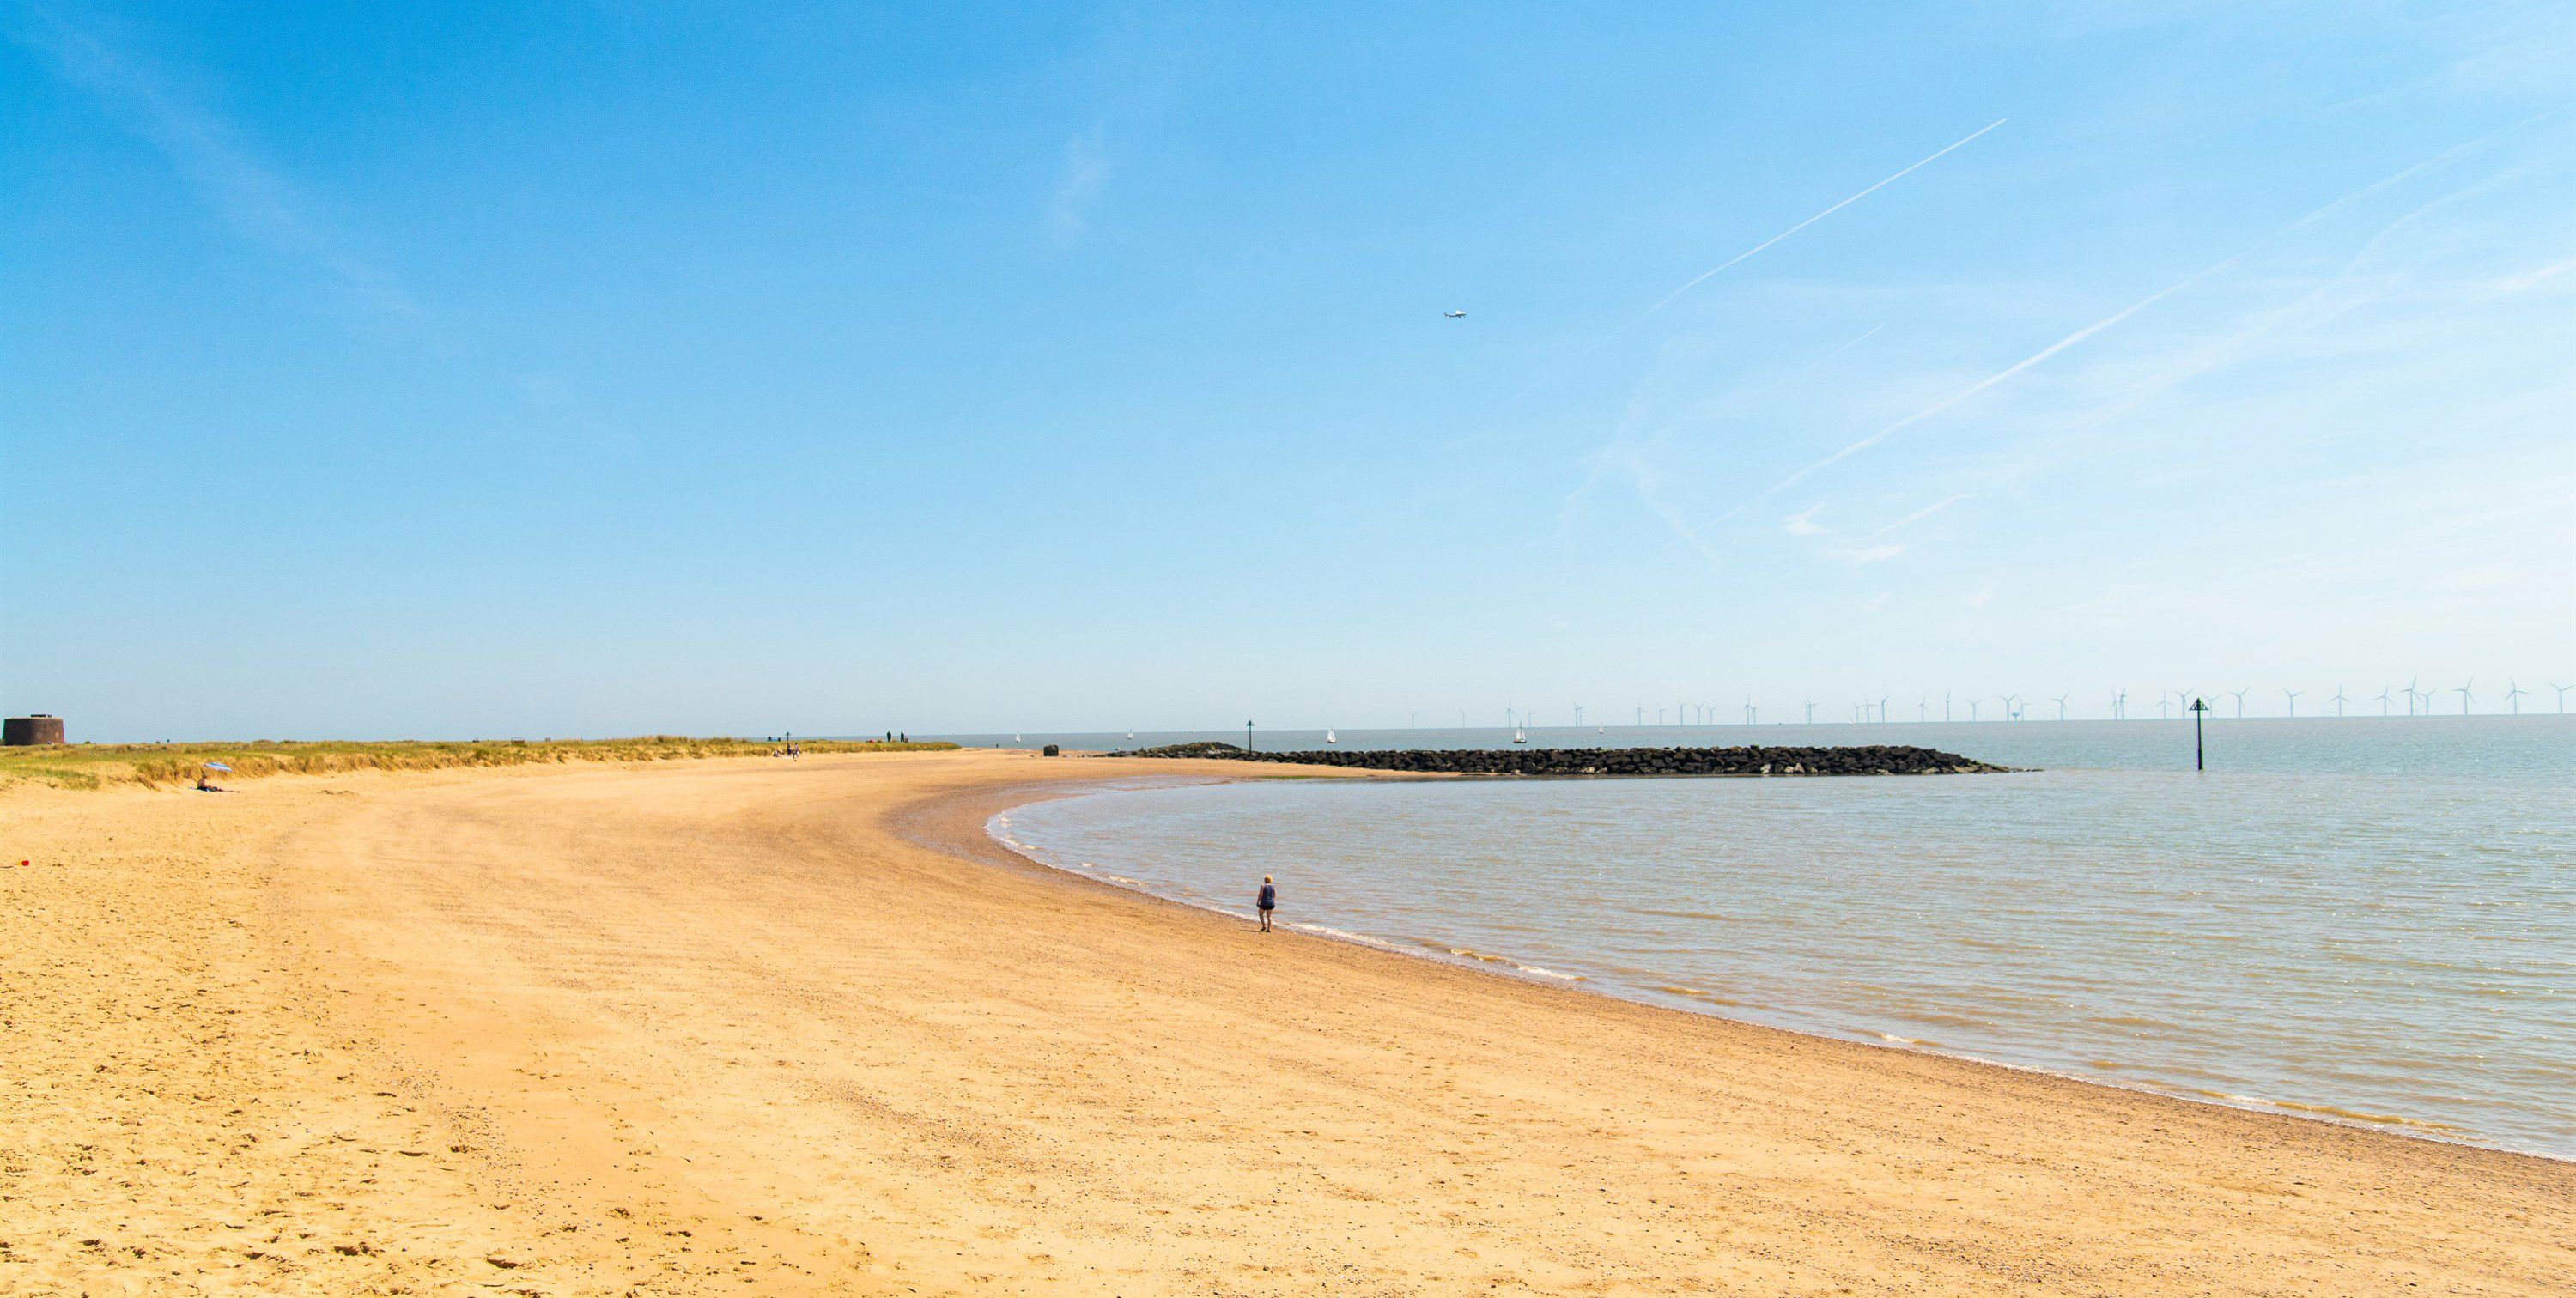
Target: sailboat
(1131,734)
(1519,735)
(1328,736)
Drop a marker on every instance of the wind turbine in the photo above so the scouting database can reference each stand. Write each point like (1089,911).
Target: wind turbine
(2012,707)
(2162,704)
(2513,695)
(1882,709)
(2294,700)
(2411,696)
(2339,701)
(1578,716)
(1752,714)
(1945,705)
(1923,710)
(1972,711)
(2383,699)
(2120,705)
(2240,703)
(2061,707)
(2562,697)
(2464,695)
(1811,710)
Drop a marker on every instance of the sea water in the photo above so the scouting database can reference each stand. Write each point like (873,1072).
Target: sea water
(2370,921)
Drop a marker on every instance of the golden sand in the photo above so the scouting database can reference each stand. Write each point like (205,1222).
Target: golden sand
(756,1027)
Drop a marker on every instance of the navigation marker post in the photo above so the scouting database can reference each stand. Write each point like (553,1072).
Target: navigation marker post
(1247,736)
(2199,754)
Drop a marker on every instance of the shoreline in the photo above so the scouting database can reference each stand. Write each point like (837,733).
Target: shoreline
(1447,956)
(690,1024)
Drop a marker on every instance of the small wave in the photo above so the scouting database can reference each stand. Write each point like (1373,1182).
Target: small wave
(1342,933)
(1697,994)
(1488,957)
(1462,952)
(2356,1115)
(1942,1018)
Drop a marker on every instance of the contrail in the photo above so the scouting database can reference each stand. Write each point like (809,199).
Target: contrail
(1668,297)
(1919,515)
(2088,331)
(1839,350)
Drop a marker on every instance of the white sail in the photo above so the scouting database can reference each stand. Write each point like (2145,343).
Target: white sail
(1328,736)
(1519,736)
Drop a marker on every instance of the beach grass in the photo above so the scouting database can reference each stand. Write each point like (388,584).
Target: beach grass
(93,766)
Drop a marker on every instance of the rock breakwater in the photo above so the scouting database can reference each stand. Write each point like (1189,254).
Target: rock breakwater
(1867,759)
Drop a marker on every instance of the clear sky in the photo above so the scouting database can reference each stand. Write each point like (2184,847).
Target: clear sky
(458,370)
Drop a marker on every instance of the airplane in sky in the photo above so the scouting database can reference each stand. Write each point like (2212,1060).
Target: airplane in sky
(1454,315)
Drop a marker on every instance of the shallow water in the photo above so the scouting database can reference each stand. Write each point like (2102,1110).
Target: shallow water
(2367,920)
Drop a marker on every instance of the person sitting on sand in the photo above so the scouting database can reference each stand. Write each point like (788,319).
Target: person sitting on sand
(1269,901)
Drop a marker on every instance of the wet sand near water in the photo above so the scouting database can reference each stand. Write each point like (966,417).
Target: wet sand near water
(761,1027)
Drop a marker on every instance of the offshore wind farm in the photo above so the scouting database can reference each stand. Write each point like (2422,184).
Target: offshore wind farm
(1952,707)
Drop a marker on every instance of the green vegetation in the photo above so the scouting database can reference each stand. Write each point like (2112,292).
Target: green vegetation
(91,766)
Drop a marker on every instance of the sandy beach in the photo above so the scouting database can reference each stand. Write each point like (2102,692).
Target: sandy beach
(747,1026)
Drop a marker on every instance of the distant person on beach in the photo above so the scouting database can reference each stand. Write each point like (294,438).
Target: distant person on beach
(1269,901)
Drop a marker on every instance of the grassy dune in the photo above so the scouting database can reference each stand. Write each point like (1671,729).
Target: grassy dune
(91,766)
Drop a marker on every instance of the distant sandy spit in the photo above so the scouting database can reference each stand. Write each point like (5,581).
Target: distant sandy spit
(751,1026)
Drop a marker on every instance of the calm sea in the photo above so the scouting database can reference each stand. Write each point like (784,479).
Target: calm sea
(2366,920)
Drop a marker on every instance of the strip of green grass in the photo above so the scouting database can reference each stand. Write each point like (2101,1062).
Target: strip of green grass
(91,766)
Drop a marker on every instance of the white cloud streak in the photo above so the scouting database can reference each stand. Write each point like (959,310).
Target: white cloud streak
(1086,171)
(205,149)
(1857,555)
(1706,275)
(2115,318)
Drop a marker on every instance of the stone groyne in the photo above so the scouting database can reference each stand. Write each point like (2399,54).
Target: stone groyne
(1868,759)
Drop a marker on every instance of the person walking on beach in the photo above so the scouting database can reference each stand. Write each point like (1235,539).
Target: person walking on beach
(1269,901)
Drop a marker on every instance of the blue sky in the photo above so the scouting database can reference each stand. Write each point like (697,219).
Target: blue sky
(483,370)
